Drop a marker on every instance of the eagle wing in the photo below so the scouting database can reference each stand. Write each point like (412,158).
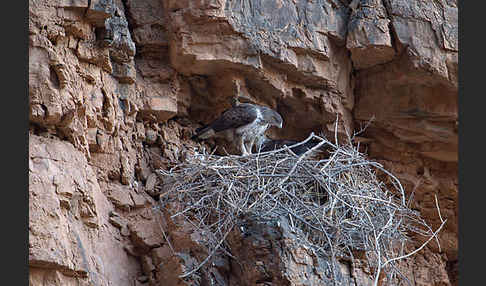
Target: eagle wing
(235,117)
(232,118)
(277,144)
(298,150)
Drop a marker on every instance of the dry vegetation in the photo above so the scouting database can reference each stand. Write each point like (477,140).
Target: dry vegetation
(338,206)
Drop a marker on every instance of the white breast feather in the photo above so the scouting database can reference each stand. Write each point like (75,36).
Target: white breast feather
(250,127)
(254,128)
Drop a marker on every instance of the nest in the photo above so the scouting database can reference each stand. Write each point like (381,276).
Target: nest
(337,206)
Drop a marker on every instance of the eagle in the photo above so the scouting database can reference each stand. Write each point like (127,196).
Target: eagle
(242,124)
(265,144)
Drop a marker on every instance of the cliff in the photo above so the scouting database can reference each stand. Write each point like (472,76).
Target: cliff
(116,88)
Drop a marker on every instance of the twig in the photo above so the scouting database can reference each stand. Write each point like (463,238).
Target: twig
(334,205)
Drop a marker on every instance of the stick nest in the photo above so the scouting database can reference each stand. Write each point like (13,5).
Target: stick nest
(337,206)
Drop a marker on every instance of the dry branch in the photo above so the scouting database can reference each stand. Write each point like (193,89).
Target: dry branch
(336,206)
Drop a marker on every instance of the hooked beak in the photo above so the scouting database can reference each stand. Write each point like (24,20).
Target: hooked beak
(280,126)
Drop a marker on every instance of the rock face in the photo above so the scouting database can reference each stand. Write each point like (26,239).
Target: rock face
(414,131)
(70,238)
(116,88)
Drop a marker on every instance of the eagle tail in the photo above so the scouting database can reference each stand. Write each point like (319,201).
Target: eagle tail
(203,133)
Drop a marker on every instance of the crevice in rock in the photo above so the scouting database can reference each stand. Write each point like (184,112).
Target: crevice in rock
(36,129)
(453,271)
(87,8)
(391,29)
(54,78)
(105,106)
(103,37)
(297,92)
(128,16)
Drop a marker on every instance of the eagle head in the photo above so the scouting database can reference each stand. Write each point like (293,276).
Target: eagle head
(272,117)
(276,120)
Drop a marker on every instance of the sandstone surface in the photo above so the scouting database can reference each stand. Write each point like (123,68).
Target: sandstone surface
(117,87)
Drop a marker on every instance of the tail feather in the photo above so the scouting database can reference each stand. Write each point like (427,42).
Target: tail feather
(202,133)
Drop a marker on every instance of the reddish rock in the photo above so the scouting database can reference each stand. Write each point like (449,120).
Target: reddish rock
(369,37)
(39,276)
(119,195)
(159,108)
(90,53)
(98,11)
(139,200)
(147,265)
(66,245)
(161,254)
(150,183)
(145,235)
(117,221)
(107,76)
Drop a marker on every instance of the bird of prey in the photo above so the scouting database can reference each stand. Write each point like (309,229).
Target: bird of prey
(264,144)
(241,125)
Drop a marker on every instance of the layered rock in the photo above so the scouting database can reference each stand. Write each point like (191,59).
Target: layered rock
(283,54)
(412,100)
(117,87)
(70,238)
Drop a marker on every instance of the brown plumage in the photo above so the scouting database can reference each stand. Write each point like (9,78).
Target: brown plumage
(241,124)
